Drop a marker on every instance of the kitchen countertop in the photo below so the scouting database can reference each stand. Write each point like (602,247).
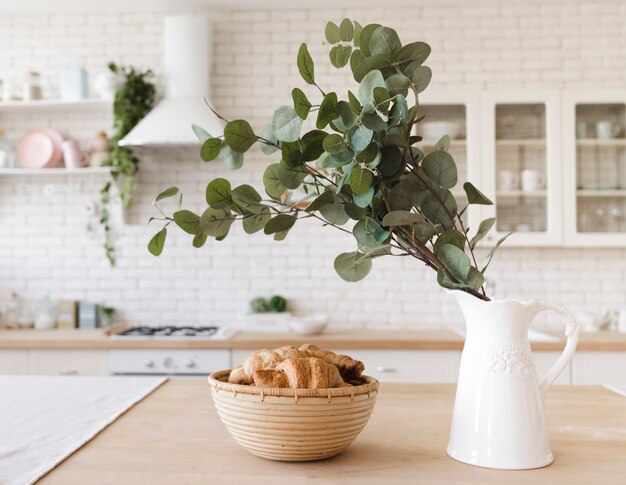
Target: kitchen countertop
(175,436)
(338,339)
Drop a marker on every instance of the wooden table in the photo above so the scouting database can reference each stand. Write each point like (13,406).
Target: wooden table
(175,437)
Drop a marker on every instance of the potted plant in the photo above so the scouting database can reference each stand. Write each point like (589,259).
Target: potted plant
(363,164)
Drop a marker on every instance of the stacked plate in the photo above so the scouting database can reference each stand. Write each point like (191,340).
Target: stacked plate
(40,148)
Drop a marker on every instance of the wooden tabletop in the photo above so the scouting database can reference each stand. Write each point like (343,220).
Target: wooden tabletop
(174,436)
(334,339)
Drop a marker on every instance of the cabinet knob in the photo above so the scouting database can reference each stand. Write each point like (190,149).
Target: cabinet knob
(385,369)
(168,362)
(68,372)
(190,363)
(149,363)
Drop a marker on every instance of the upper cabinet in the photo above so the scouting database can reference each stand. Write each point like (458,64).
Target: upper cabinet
(456,115)
(594,169)
(521,147)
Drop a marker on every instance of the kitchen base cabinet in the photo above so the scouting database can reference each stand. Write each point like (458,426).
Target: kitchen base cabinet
(544,360)
(13,361)
(599,368)
(68,362)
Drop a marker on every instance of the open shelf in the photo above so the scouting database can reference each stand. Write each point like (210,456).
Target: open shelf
(54,104)
(601,192)
(621,142)
(55,171)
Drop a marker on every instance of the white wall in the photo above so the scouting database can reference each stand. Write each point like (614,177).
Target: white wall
(44,246)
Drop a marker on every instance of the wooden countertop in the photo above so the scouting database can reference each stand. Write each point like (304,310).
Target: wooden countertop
(175,436)
(337,339)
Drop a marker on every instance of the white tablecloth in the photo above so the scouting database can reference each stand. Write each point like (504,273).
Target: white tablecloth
(618,389)
(44,419)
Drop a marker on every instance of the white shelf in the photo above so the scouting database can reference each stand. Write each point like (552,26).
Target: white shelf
(519,142)
(614,142)
(601,192)
(54,104)
(521,193)
(55,171)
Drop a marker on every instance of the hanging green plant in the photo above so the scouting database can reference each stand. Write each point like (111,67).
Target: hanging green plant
(133,100)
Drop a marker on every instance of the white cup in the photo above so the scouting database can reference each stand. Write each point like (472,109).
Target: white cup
(606,130)
(508,180)
(532,180)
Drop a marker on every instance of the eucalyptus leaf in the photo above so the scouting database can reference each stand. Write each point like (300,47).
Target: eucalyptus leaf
(373,122)
(334,143)
(414,52)
(291,177)
(444,281)
(279,223)
(187,221)
(475,196)
(239,136)
(286,124)
(398,84)
(455,260)
(346,30)
(347,117)
(255,222)
(360,180)
(172,191)
(361,138)
(312,145)
(451,236)
(210,149)
(218,193)
(384,40)
(201,134)
(355,106)
(364,39)
(493,251)
(328,111)
(441,169)
(199,240)
(247,198)
(273,186)
(401,218)
(370,234)
(475,279)
(368,154)
(354,212)
(268,134)
(305,65)
(334,213)
(356,59)
(350,267)
(324,199)
(156,244)
(369,64)
(373,79)
(443,144)
(439,207)
(301,104)
(291,154)
(483,229)
(332,33)
(340,55)
(357,33)
(364,200)
(421,78)
(216,222)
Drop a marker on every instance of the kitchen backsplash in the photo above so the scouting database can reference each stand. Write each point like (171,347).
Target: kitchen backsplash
(44,244)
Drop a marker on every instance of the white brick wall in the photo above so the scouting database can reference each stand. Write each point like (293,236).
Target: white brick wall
(44,246)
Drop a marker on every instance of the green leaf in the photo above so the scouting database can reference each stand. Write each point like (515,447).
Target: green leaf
(279,223)
(441,169)
(231,159)
(291,154)
(286,124)
(453,237)
(290,177)
(305,65)
(340,55)
(356,59)
(370,234)
(172,191)
(373,79)
(346,30)
(364,39)
(381,100)
(328,111)
(484,227)
(199,240)
(384,40)
(396,140)
(268,134)
(187,221)
(334,213)
(401,218)
(398,84)
(246,197)
(421,78)
(334,144)
(347,170)
(360,180)
(368,154)
(493,251)
(347,117)
(456,261)
(312,145)
(239,135)
(355,106)
(443,144)
(354,212)
(364,200)
(391,162)
(475,196)
(216,222)
(273,186)
(424,231)
(155,246)
(218,193)
(402,196)
(324,199)
(373,122)
(332,33)
(357,33)
(352,267)
(379,61)
(475,279)
(413,52)
(200,133)
(255,222)
(439,208)
(210,149)
(301,104)
(444,281)
(361,138)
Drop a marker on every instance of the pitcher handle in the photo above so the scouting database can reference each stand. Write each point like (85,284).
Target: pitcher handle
(571,332)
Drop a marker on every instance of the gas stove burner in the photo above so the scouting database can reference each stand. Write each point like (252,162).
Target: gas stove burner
(172,332)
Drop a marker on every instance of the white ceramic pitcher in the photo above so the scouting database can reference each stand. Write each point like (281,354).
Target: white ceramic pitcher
(498,417)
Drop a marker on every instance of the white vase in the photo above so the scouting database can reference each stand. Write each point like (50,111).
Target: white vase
(498,419)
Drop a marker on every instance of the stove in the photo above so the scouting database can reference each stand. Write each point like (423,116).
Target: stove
(176,333)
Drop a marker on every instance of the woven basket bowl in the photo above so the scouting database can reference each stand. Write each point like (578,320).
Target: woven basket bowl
(293,424)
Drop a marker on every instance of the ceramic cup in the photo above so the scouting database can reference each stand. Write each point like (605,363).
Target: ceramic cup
(606,130)
(508,180)
(73,156)
(532,180)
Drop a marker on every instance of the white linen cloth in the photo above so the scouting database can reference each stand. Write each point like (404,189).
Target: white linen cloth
(618,389)
(44,419)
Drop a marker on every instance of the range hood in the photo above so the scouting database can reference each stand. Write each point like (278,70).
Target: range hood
(187,64)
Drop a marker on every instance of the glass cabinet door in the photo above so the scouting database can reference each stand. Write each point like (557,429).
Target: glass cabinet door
(522,172)
(596,149)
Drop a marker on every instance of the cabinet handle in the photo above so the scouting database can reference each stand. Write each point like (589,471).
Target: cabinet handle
(385,369)
(68,372)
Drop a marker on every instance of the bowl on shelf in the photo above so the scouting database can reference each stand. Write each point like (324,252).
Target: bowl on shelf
(433,130)
(293,424)
(310,325)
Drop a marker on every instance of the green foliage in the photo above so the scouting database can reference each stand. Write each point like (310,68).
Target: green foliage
(277,304)
(362,167)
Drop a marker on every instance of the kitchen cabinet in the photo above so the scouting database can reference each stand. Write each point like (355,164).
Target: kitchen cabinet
(599,368)
(594,164)
(68,362)
(13,361)
(521,148)
(544,360)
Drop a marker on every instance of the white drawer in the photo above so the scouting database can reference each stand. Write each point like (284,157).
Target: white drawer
(68,362)
(597,368)
(13,361)
(168,361)
(544,360)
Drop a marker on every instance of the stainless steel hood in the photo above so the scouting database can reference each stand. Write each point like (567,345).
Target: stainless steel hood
(187,62)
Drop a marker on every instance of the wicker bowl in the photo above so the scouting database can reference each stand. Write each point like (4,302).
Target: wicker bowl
(293,424)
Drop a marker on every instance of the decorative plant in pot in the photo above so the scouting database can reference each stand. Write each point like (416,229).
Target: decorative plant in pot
(363,164)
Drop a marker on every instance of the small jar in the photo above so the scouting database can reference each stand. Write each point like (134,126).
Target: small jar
(32,86)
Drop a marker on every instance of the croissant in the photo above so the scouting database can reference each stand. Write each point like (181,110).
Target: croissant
(238,376)
(262,359)
(270,378)
(289,352)
(310,373)
(349,368)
